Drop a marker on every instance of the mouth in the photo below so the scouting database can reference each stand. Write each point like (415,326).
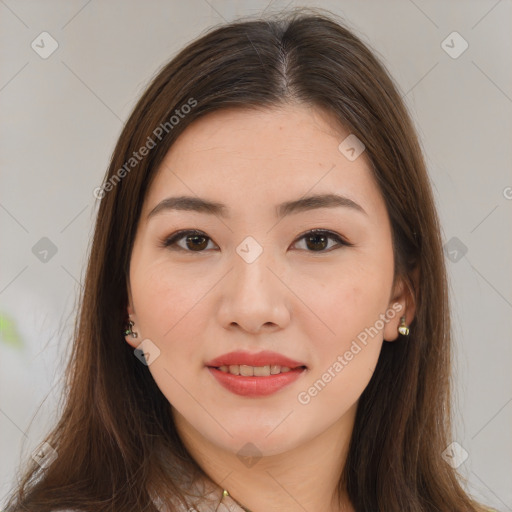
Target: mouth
(255,375)
(256,371)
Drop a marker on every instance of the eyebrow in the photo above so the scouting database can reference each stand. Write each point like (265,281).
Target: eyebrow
(197,204)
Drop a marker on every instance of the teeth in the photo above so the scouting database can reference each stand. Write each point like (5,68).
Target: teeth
(275,369)
(261,371)
(254,371)
(246,371)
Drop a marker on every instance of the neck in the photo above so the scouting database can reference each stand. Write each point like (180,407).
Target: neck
(304,478)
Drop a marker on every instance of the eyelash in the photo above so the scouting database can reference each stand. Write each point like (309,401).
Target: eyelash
(172,240)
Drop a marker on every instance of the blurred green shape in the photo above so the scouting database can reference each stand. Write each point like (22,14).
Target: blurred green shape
(9,332)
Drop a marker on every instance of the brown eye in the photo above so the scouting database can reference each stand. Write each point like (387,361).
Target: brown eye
(195,241)
(319,240)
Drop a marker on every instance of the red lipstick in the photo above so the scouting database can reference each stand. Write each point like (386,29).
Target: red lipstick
(254,359)
(227,368)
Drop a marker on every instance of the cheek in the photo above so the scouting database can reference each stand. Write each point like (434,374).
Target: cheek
(171,314)
(344,362)
(168,305)
(343,302)
(346,332)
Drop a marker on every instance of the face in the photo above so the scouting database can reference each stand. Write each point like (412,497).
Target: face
(297,298)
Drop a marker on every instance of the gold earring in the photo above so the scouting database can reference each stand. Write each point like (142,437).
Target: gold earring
(402,328)
(128,329)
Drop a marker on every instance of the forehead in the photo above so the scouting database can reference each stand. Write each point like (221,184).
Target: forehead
(262,156)
(293,132)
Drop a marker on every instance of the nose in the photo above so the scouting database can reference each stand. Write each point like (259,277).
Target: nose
(253,296)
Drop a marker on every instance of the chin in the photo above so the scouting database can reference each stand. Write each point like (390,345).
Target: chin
(250,439)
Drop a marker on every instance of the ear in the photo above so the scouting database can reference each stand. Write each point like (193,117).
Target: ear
(403,302)
(130,314)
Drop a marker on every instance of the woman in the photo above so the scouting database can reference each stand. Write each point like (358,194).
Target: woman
(265,322)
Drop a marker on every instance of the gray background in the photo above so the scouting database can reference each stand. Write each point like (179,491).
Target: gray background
(60,119)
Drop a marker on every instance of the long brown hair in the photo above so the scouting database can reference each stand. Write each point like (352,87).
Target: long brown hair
(116,425)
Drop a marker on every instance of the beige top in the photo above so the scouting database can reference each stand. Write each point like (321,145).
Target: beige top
(212,499)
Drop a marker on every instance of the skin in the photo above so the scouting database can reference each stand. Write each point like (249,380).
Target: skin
(305,304)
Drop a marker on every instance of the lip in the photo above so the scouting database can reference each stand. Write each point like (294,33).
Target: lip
(255,386)
(257,359)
